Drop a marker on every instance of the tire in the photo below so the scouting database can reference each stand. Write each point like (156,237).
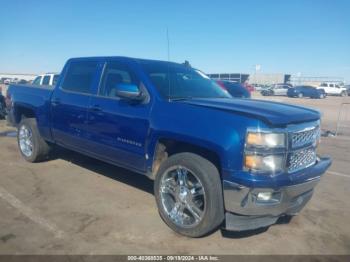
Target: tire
(321,96)
(206,173)
(343,94)
(300,95)
(39,148)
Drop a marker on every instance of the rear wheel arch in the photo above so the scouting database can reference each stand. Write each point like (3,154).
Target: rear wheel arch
(22,112)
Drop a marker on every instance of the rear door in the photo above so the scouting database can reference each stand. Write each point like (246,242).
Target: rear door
(70,102)
(118,128)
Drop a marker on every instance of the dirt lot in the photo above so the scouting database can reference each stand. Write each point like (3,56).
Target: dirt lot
(73,204)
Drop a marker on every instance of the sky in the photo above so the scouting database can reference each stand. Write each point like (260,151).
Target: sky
(307,37)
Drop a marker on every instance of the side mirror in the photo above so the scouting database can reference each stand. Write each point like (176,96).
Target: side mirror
(129,92)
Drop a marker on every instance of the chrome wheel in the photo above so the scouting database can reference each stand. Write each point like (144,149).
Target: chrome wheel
(25,138)
(182,196)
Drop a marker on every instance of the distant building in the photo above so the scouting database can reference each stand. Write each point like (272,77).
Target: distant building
(268,79)
(315,80)
(237,77)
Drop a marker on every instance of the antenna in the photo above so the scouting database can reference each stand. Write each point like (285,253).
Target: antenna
(168,50)
(168,47)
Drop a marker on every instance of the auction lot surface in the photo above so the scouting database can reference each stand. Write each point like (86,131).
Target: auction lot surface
(73,204)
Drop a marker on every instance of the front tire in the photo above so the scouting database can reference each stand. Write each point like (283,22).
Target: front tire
(343,94)
(32,146)
(300,95)
(188,193)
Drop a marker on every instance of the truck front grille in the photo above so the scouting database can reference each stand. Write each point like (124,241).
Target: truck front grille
(300,159)
(305,137)
(302,146)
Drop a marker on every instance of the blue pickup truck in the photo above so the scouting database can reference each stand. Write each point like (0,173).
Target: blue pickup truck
(215,160)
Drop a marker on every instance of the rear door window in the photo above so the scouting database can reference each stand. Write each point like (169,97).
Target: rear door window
(80,76)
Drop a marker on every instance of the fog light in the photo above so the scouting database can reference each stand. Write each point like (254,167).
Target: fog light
(264,196)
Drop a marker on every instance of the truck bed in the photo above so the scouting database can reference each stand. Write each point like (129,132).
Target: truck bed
(35,97)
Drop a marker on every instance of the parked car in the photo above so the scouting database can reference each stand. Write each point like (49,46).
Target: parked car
(2,80)
(306,91)
(49,79)
(215,160)
(235,89)
(276,90)
(257,87)
(7,81)
(333,89)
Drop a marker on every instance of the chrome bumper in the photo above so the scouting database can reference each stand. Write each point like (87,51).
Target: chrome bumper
(245,211)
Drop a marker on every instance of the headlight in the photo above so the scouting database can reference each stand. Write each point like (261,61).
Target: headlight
(271,140)
(270,163)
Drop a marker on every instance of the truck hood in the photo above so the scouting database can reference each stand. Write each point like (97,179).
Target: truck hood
(272,113)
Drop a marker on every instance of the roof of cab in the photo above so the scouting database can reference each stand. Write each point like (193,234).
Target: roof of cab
(125,58)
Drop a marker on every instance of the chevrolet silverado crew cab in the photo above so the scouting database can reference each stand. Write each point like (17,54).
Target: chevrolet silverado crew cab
(215,160)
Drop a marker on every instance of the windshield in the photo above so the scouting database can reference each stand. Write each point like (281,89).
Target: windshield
(174,81)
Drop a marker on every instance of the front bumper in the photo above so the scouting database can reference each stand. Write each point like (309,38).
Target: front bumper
(245,211)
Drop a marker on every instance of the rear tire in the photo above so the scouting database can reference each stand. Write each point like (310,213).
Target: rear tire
(200,174)
(32,146)
(300,95)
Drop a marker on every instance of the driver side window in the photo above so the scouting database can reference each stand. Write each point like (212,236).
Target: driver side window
(116,73)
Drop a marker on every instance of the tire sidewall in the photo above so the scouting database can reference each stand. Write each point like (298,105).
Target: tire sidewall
(213,197)
(28,123)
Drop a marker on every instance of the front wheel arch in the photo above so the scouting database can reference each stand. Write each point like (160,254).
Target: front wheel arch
(166,147)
